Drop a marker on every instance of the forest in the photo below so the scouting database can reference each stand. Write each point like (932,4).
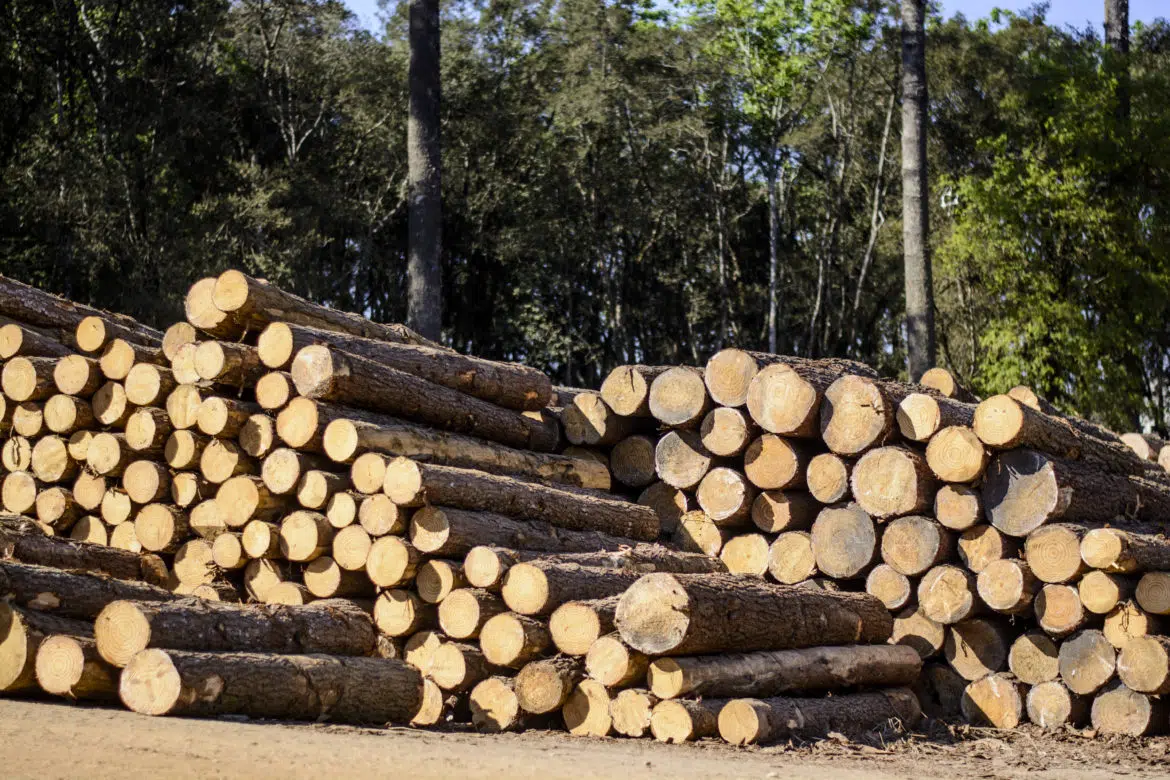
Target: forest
(613,174)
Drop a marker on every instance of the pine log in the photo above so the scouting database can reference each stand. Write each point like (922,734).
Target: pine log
(773,673)
(1100,593)
(955,454)
(274,390)
(948,594)
(224,418)
(940,691)
(827,477)
(1122,552)
(922,415)
(205,521)
(544,686)
(50,461)
(1059,610)
(976,648)
(409,483)
(1145,446)
(942,380)
(77,375)
(914,629)
(27,304)
(678,397)
(775,511)
(844,540)
(329,375)
(913,544)
(245,498)
(184,449)
(775,463)
(27,419)
(726,496)
(1024,489)
(116,507)
(786,397)
(792,558)
(146,481)
(111,407)
(20,340)
(1054,552)
(576,625)
(122,537)
(1008,586)
(698,533)
(1118,710)
(958,507)
(149,385)
(626,389)
(221,460)
(893,481)
(119,356)
(726,431)
(1153,592)
(685,614)
(399,612)
(189,489)
(889,586)
(669,503)
(161,528)
(70,594)
(57,510)
(19,492)
(759,721)
(685,720)
(539,587)
(631,710)
(1087,661)
(1034,659)
(22,632)
(681,460)
(996,700)
(463,614)
(89,490)
(857,413)
(147,430)
(28,379)
(17,454)
(746,554)
(436,579)
(1144,664)
(342,509)
(512,640)
(495,708)
(982,545)
(589,421)
(586,711)
(632,461)
(193,564)
(70,666)
(227,551)
(90,529)
(24,541)
(262,685)
(64,414)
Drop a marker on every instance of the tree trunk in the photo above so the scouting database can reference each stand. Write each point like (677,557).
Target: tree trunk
(921,415)
(1117,39)
(1033,658)
(71,595)
(23,541)
(685,720)
(626,390)
(1115,551)
(544,686)
(916,192)
(27,304)
(586,711)
(424,196)
(759,721)
(686,614)
(539,587)
(976,648)
(1087,661)
(513,640)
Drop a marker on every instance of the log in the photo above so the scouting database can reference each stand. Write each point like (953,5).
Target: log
(379,516)
(254,303)
(669,503)
(827,477)
(89,529)
(626,389)
(1144,664)
(17,454)
(976,648)
(1008,586)
(614,665)
(64,414)
(122,537)
(576,625)
(111,407)
(948,594)
(746,554)
(942,380)
(329,375)
(1145,446)
(204,519)
(982,545)
(765,674)
(726,431)
(227,363)
(342,509)
(1122,552)
(889,586)
(1054,552)
(955,454)
(161,528)
(958,507)
(760,721)
(776,511)
(726,496)
(495,708)
(50,461)
(399,612)
(1100,593)
(409,483)
(587,710)
(70,594)
(539,587)
(316,487)
(28,379)
(262,685)
(1087,661)
(261,539)
(686,614)
(451,532)
(921,415)
(109,455)
(274,390)
(1028,397)
(331,627)
(463,614)
(19,492)
(544,686)
(1153,592)
(22,632)
(786,397)
(1059,610)
(77,375)
(912,545)
(221,460)
(184,449)
(27,419)
(844,540)
(227,551)
(678,397)
(149,385)
(189,489)
(775,463)
(224,417)
(147,430)
(20,340)
(1033,658)
(116,507)
(915,630)
(89,490)
(792,558)
(632,461)
(177,335)
(857,413)
(698,533)
(119,356)
(458,667)
(996,700)
(1024,489)
(588,421)
(258,436)
(681,460)
(146,481)
(100,327)
(512,640)
(893,481)
(245,498)
(24,541)
(193,564)
(70,666)
(940,691)
(685,720)
(1118,710)
(631,710)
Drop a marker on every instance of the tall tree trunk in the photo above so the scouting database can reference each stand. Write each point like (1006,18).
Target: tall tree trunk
(425,302)
(915,192)
(773,250)
(1117,39)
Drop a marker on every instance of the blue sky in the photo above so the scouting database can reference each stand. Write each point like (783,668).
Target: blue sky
(1075,12)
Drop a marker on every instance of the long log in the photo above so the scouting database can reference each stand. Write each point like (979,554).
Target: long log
(773,673)
(785,397)
(687,614)
(921,415)
(329,375)
(27,304)
(1122,552)
(539,587)
(20,340)
(262,685)
(23,541)
(68,594)
(70,666)
(685,720)
(409,483)
(759,721)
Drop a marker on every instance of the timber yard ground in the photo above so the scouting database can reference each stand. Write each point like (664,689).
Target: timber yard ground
(44,740)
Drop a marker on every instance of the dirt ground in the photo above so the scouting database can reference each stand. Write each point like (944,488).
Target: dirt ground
(50,740)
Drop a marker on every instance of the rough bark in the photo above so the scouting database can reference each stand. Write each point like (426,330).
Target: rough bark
(23,541)
(1122,552)
(760,721)
(27,304)
(68,594)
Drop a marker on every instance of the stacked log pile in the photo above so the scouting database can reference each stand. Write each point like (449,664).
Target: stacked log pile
(1019,551)
(318,516)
